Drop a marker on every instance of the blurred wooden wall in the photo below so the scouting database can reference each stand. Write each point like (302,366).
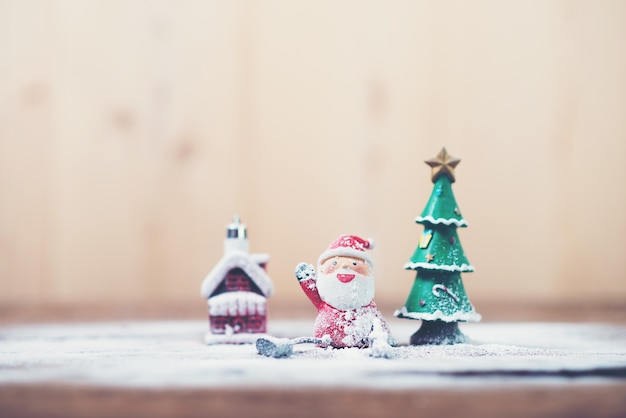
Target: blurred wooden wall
(132,131)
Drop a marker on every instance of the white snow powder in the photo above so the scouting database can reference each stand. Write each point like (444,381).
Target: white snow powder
(172,353)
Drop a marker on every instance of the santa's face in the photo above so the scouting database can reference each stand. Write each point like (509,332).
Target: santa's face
(345,283)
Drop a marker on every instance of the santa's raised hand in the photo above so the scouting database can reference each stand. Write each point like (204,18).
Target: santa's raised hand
(305,271)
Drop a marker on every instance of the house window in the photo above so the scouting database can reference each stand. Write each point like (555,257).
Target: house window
(237,280)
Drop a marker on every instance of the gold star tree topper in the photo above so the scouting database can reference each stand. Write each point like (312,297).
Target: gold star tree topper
(443,163)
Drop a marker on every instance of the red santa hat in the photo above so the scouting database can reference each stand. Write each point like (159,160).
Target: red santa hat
(349,246)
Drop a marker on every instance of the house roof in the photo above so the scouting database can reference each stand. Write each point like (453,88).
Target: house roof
(237,259)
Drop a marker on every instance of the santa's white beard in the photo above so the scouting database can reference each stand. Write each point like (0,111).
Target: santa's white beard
(345,296)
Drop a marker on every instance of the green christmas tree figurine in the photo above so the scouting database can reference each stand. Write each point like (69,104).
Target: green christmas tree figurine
(438,297)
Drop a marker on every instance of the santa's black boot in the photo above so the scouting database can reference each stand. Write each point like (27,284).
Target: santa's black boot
(438,333)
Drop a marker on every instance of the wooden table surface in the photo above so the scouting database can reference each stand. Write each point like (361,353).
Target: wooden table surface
(593,400)
(575,397)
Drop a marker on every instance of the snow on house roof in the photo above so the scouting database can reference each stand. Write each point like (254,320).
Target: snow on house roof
(237,303)
(260,258)
(237,259)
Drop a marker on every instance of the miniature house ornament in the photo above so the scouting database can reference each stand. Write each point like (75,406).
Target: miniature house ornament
(342,290)
(438,297)
(237,290)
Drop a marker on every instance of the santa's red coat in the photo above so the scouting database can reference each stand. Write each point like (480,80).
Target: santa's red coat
(345,328)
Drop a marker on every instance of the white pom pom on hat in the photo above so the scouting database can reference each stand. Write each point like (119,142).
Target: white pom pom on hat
(349,246)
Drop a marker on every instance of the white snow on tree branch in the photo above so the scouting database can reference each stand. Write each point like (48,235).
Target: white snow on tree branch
(451,221)
(463,268)
(438,315)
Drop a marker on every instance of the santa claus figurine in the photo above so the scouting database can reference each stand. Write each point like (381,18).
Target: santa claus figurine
(342,291)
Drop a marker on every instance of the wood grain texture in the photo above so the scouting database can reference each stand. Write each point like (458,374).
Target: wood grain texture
(524,402)
(130,132)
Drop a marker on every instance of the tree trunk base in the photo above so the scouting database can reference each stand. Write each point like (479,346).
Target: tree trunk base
(438,333)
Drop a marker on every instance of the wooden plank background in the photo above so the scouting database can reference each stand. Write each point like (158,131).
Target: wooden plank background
(132,131)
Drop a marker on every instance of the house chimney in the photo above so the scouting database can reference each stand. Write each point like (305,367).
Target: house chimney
(236,237)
